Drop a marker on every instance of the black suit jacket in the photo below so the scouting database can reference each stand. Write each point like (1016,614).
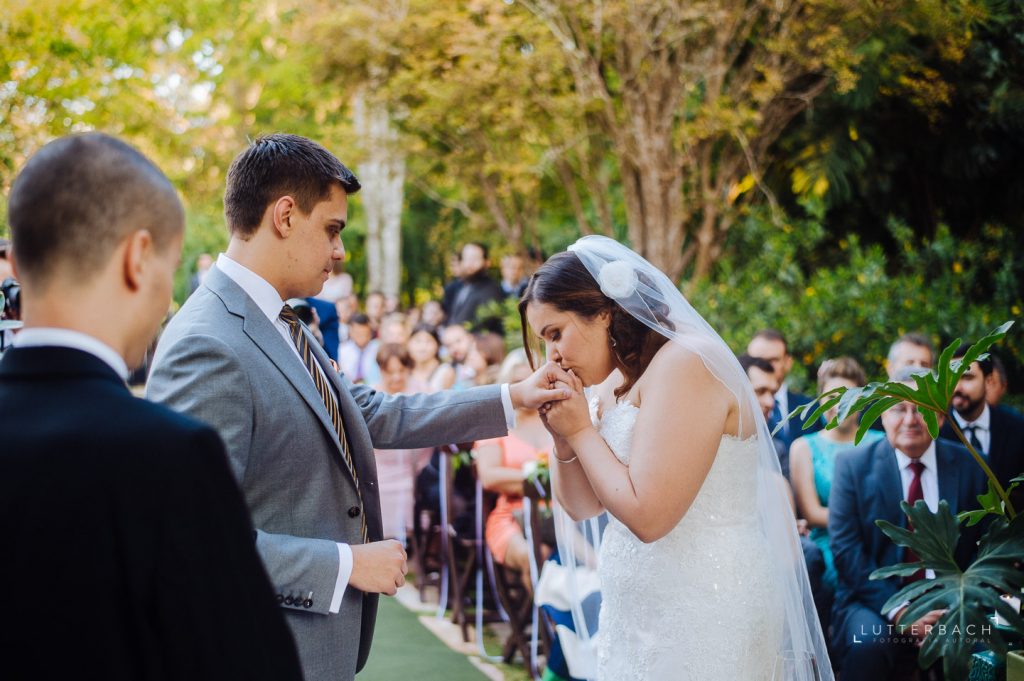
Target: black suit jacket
(866,487)
(129,550)
(794,428)
(464,300)
(1006,450)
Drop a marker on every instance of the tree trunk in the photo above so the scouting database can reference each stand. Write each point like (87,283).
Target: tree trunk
(382,175)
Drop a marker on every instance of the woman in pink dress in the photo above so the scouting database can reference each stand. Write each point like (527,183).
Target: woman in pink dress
(397,468)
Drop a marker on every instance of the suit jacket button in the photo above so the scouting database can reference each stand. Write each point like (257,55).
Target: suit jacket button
(289,600)
(353,512)
(308,603)
(280,599)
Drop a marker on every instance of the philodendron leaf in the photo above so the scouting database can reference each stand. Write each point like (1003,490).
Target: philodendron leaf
(991,504)
(968,596)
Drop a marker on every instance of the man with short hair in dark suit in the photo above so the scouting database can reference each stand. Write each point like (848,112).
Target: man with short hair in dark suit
(476,287)
(869,483)
(771,345)
(127,537)
(995,432)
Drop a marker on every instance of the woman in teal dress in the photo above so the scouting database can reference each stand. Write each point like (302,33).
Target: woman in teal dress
(812,458)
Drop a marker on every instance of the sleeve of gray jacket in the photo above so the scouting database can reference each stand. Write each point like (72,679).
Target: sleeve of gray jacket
(201,376)
(413,421)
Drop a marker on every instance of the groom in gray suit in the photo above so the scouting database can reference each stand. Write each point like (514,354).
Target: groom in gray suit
(299,435)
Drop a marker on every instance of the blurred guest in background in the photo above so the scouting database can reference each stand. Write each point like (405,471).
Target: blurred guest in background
(432,314)
(429,373)
(477,287)
(397,468)
(5,261)
(374,309)
(338,285)
(997,387)
(513,280)
(458,343)
(485,357)
(868,485)
(766,383)
(996,432)
(812,457)
(357,357)
(502,466)
(345,307)
(771,345)
(203,264)
(393,329)
(912,350)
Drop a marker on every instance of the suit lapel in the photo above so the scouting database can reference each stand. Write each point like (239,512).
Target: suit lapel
(999,433)
(268,339)
(887,473)
(948,475)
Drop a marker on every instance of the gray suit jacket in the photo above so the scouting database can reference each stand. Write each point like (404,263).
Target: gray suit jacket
(222,361)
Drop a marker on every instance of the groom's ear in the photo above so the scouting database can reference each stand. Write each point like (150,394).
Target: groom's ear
(281,213)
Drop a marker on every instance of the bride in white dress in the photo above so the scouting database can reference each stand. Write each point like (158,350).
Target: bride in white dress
(669,472)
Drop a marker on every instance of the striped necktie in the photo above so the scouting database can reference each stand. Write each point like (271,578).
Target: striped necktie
(330,401)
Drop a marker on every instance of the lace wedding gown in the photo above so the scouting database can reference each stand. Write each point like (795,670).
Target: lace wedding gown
(699,603)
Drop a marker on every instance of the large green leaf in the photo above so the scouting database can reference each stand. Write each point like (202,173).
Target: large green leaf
(969,596)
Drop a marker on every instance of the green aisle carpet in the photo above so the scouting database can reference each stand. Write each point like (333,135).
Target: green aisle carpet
(404,649)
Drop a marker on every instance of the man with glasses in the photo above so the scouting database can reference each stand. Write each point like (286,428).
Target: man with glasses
(869,484)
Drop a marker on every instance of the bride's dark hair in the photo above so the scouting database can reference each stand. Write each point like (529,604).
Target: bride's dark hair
(564,283)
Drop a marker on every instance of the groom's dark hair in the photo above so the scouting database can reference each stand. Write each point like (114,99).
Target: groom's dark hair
(280,165)
(565,283)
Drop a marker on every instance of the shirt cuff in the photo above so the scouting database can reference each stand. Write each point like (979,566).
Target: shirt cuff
(344,574)
(892,613)
(506,402)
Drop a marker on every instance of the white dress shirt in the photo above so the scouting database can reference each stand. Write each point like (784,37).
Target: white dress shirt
(929,488)
(38,337)
(269,301)
(982,425)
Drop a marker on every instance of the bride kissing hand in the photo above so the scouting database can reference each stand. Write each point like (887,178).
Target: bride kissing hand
(568,417)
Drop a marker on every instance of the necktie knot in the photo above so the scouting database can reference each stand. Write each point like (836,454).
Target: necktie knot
(916,467)
(288,315)
(971,430)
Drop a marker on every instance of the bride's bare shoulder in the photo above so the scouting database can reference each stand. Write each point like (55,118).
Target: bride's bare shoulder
(674,364)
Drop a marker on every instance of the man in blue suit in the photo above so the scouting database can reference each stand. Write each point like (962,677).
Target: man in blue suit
(869,484)
(771,345)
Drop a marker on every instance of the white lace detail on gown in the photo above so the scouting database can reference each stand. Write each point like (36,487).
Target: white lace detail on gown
(695,604)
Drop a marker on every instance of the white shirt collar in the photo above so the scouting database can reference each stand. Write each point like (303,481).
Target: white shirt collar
(38,337)
(256,287)
(928,458)
(983,422)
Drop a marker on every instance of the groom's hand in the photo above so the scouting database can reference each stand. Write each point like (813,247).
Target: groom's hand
(378,567)
(540,388)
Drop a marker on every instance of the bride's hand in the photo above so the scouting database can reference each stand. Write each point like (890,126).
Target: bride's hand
(568,417)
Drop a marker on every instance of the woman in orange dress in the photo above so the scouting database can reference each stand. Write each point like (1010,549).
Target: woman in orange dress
(500,465)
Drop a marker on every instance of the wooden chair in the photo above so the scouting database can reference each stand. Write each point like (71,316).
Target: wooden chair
(529,631)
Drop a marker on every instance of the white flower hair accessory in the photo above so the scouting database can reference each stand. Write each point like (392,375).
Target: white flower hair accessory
(617,279)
